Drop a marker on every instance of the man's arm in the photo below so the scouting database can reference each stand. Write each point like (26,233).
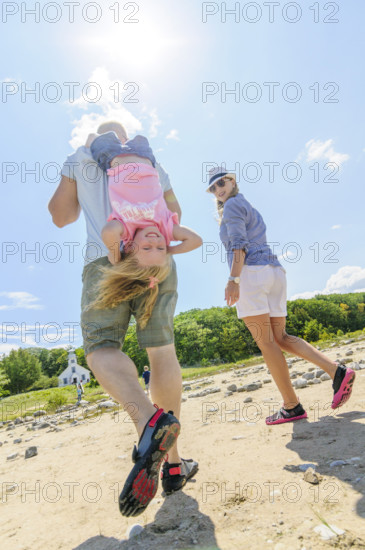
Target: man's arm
(64,205)
(172,202)
(168,193)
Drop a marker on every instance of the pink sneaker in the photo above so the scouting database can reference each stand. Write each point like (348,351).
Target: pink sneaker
(342,386)
(287,415)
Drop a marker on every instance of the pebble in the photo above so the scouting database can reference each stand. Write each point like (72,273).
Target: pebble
(253,386)
(248,400)
(354,366)
(337,463)
(348,353)
(311,476)
(304,467)
(327,533)
(107,405)
(236,437)
(300,383)
(319,373)
(232,388)
(19,440)
(325,376)
(31,451)
(308,375)
(12,456)
(134,530)
(43,425)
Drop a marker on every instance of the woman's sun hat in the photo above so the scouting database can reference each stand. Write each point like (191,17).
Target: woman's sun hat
(218,173)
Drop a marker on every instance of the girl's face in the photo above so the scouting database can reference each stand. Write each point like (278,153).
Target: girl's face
(222,192)
(149,246)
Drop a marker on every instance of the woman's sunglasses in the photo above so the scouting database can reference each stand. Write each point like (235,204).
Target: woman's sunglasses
(220,183)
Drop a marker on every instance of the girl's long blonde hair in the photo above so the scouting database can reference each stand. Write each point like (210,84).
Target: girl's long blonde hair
(127,280)
(220,204)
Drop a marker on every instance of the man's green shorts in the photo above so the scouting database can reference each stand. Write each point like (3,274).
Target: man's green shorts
(106,328)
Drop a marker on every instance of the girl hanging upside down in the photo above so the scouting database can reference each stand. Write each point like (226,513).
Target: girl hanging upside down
(140,228)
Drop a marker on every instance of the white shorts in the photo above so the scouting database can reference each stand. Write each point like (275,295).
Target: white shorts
(262,290)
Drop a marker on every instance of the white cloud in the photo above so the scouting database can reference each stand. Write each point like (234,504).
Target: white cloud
(336,227)
(305,295)
(287,255)
(347,279)
(173,134)
(20,300)
(108,107)
(350,278)
(155,123)
(6,348)
(316,150)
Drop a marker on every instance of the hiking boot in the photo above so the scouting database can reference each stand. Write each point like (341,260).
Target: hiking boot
(175,476)
(157,438)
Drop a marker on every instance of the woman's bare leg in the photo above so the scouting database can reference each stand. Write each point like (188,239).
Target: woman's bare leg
(261,330)
(299,347)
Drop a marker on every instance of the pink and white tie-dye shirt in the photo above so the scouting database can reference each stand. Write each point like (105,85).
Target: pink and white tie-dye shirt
(136,198)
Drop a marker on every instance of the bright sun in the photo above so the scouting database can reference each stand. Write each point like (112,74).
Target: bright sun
(142,46)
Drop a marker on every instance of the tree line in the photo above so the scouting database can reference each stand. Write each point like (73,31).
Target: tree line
(202,337)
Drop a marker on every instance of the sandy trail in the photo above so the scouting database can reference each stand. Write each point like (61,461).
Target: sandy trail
(248,493)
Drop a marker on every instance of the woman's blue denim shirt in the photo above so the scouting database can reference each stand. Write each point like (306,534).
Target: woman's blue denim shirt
(242,227)
(108,146)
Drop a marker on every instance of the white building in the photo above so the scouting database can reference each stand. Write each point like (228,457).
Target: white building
(74,373)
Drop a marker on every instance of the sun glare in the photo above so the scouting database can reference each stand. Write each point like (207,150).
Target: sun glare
(143,46)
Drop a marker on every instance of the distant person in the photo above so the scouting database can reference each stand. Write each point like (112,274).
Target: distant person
(257,285)
(146,377)
(79,393)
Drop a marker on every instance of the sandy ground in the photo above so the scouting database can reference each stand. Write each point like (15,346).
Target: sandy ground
(248,493)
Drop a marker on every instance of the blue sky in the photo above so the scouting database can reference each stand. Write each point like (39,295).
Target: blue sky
(177,68)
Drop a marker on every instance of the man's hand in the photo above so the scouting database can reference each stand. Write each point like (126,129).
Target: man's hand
(232,293)
(114,256)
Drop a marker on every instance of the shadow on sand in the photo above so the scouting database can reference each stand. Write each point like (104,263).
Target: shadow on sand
(178,524)
(334,438)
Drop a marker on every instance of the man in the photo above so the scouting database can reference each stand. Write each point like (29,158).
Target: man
(84,186)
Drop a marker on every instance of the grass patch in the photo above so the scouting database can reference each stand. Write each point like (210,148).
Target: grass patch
(25,404)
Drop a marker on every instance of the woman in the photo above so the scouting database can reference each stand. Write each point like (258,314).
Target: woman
(257,285)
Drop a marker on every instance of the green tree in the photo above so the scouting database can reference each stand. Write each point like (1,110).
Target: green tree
(311,330)
(57,362)
(81,359)
(22,369)
(4,381)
